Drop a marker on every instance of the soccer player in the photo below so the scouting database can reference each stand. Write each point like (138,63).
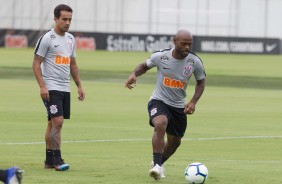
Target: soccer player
(167,107)
(54,61)
(12,175)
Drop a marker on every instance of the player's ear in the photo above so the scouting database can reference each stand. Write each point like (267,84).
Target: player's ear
(174,40)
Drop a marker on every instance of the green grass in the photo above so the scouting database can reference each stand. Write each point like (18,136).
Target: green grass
(235,132)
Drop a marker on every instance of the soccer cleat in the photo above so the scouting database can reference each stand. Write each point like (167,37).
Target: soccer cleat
(162,169)
(49,165)
(14,175)
(155,172)
(60,165)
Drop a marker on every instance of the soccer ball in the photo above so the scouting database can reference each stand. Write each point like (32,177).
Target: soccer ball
(196,173)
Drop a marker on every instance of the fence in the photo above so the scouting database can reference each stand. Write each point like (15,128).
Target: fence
(234,18)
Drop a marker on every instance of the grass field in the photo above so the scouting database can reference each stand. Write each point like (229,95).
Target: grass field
(235,132)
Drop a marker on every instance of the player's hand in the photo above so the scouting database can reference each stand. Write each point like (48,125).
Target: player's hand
(190,108)
(44,93)
(81,94)
(130,82)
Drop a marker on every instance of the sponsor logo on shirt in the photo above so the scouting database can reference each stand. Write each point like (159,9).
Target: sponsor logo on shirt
(173,83)
(52,36)
(62,60)
(164,58)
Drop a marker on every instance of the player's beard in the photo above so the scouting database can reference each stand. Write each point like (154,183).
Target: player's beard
(66,28)
(182,53)
(185,53)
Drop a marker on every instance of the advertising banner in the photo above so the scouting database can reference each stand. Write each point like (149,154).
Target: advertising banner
(237,45)
(148,43)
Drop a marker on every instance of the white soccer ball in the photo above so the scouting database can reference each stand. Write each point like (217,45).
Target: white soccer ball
(196,173)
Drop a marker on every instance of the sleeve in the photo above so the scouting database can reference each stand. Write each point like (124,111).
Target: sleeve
(152,61)
(199,71)
(73,54)
(42,46)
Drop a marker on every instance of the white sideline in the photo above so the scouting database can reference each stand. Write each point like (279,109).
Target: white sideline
(138,140)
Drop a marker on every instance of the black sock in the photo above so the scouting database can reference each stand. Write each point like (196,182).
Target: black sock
(163,159)
(49,155)
(57,153)
(3,175)
(157,157)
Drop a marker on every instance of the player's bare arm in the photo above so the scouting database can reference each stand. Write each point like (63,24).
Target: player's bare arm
(190,107)
(75,75)
(38,74)
(139,70)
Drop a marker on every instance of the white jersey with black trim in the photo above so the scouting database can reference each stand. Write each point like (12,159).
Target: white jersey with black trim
(173,76)
(57,51)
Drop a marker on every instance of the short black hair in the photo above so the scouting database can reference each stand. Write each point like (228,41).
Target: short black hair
(59,8)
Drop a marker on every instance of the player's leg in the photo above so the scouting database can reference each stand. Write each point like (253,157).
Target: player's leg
(56,109)
(175,131)
(47,135)
(171,145)
(49,162)
(158,142)
(55,135)
(158,120)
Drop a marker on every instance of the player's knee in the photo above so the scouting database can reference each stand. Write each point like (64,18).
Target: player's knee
(160,126)
(57,122)
(160,122)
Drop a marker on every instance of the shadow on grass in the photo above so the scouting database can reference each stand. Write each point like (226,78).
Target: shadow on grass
(150,78)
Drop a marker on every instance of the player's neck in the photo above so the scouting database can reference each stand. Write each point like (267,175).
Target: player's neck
(176,56)
(59,32)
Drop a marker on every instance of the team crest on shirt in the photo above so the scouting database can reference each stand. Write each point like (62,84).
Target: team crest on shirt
(187,71)
(153,111)
(70,44)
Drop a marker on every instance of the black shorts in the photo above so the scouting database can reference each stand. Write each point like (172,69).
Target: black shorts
(177,119)
(59,104)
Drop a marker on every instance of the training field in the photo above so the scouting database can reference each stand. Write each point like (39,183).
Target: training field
(236,130)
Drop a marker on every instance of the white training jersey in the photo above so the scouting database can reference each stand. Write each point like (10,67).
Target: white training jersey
(57,51)
(173,76)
